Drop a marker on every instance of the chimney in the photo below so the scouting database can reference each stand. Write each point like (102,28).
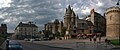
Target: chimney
(29,22)
(3,25)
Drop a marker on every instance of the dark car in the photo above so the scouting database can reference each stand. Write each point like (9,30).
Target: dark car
(13,45)
(37,39)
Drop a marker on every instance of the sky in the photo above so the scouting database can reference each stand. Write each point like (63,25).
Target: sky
(43,11)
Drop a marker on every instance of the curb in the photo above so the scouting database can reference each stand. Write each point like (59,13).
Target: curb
(53,46)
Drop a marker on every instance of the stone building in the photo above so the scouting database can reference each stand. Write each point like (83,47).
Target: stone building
(112,22)
(71,23)
(3,29)
(85,27)
(98,21)
(25,30)
(75,25)
(54,27)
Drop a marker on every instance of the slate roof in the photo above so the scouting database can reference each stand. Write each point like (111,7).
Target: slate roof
(26,25)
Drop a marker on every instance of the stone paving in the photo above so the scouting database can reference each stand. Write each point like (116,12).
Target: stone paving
(77,44)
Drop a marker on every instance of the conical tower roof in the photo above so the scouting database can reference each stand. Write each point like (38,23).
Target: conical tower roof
(69,9)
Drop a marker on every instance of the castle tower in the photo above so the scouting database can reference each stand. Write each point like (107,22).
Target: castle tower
(113,22)
(92,16)
(67,17)
(73,18)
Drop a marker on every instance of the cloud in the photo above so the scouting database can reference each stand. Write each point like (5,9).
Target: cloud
(43,11)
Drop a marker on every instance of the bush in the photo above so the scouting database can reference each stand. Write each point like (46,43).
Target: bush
(115,42)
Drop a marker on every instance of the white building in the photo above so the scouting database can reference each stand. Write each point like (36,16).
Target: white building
(25,30)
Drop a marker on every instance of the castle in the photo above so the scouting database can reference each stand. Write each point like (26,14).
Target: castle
(94,23)
(113,22)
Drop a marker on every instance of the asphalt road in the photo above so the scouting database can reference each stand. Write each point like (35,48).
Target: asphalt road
(32,46)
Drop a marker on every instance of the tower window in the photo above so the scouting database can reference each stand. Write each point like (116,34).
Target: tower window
(111,17)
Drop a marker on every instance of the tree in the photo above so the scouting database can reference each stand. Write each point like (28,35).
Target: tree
(63,31)
(57,34)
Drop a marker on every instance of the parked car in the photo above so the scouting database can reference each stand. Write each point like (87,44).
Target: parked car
(37,39)
(32,40)
(13,45)
(27,39)
(46,38)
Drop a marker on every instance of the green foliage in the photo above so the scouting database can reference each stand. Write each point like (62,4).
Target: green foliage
(63,31)
(1,40)
(115,42)
(57,34)
(3,36)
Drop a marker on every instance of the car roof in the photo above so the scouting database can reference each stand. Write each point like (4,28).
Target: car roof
(13,42)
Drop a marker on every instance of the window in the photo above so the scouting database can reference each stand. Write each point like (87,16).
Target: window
(82,31)
(74,31)
(90,31)
(21,29)
(83,25)
(25,29)
(111,17)
(25,32)
(34,29)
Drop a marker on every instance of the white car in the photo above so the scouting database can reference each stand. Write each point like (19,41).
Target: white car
(26,39)
(32,40)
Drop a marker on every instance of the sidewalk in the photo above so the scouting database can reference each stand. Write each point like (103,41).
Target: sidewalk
(76,44)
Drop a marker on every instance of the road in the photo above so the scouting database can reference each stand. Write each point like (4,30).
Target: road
(33,46)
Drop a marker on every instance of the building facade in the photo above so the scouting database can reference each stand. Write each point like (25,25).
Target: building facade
(72,24)
(75,25)
(85,27)
(98,21)
(113,22)
(54,27)
(25,30)
(3,29)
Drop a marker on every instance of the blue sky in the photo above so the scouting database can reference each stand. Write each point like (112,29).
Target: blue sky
(42,11)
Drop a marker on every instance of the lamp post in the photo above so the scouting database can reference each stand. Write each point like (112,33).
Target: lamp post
(119,26)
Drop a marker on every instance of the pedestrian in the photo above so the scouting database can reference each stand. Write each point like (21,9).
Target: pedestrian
(90,39)
(99,39)
(94,38)
(106,40)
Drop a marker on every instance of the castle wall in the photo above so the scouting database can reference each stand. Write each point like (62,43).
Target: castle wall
(113,22)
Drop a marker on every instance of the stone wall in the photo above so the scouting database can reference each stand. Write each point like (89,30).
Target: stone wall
(113,22)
